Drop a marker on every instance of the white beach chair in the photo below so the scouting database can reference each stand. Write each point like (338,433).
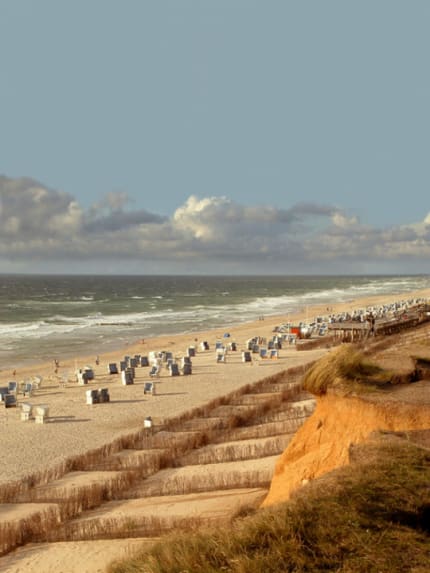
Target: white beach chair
(41,413)
(127,377)
(37,381)
(26,411)
(92,396)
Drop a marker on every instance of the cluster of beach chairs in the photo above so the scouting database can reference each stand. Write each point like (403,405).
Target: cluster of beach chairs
(9,394)
(156,361)
(384,311)
(9,397)
(321,325)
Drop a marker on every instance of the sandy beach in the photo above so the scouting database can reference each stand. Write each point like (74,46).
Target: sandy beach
(74,427)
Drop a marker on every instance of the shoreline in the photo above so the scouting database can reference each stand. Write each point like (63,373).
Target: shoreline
(74,429)
(100,325)
(163,342)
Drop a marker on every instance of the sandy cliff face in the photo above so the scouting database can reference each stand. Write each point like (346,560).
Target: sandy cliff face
(323,442)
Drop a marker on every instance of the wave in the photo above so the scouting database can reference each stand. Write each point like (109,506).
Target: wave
(213,313)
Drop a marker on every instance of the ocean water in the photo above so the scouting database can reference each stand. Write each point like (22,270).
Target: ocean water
(47,317)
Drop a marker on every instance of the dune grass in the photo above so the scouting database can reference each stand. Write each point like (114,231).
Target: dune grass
(346,368)
(371,517)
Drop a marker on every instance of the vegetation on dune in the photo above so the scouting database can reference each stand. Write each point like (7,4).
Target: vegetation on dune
(371,517)
(345,368)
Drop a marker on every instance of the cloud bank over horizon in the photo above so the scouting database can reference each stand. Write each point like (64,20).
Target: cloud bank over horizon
(47,230)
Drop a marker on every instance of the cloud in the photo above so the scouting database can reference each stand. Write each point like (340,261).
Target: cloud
(203,235)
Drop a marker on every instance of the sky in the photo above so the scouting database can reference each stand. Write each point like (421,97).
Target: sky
(214,137)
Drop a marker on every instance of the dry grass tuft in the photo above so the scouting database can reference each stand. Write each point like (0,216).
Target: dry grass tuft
(346,368)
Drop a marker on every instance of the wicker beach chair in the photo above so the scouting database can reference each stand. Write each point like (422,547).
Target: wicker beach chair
(149,388)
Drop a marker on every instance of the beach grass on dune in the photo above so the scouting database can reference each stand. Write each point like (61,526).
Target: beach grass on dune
(371,517)
(346,368)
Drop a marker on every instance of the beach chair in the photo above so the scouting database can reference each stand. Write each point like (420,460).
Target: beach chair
(104,395)
(4,390)
(113,368)
(37,381)
(149,388)
(9,400)
(147,423)
(28,389)
(41,413)
(81,377)
(220,357)
(12,387)
(123,365)
(89,372)
(144,361)
(26,411)
(263,353)
(246,356)
(127,377)
(92,396)
(186,369)
(155,371)
(174,369)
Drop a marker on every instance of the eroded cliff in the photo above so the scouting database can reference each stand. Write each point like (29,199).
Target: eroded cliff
(323,443)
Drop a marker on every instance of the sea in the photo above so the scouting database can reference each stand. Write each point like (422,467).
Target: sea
(52,317)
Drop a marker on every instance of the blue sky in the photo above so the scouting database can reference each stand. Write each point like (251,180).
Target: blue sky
(224,136)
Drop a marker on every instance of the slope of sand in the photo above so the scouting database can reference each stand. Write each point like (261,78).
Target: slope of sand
(324,442)
(74,427)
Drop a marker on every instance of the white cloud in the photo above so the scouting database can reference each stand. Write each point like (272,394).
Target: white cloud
(203,234)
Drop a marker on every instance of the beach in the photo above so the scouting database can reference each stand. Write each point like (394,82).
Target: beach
(75,428)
